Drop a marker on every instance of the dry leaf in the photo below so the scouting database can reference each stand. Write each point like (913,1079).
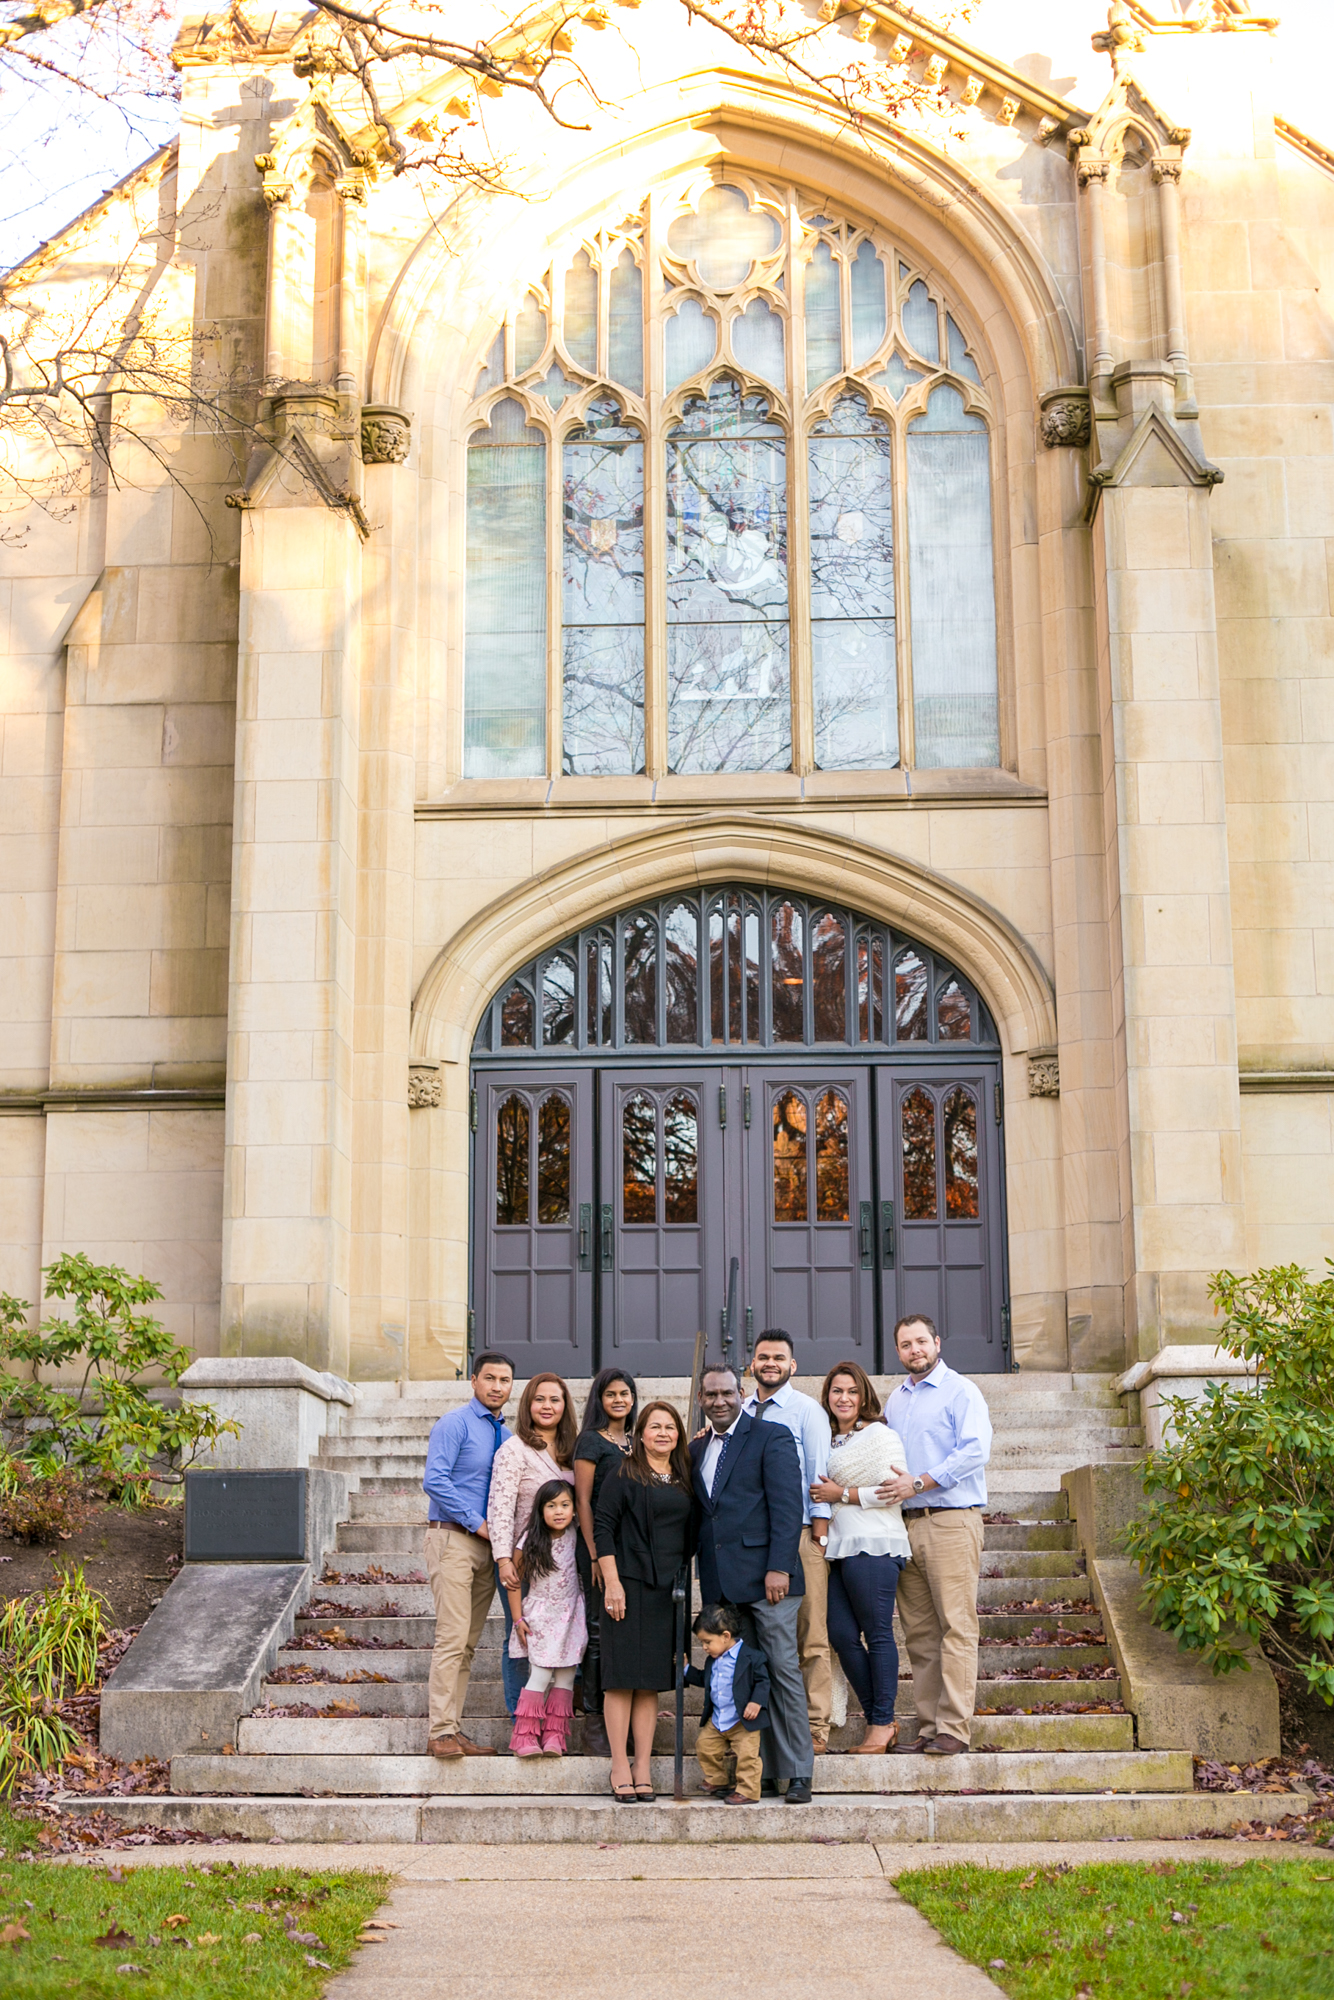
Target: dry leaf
(321,1962)
(14,1934)
(208,1937)
(387,1923)
(252,1937)
(370,1937)
(114,1936)
(172,1923)
(131,1968)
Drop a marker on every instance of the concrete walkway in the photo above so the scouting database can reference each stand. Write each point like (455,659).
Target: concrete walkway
(478,1923)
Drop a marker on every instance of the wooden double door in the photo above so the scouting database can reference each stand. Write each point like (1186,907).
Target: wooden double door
(613,1205)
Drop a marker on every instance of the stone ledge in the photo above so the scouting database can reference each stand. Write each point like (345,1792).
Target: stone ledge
(257,1371)
(1181,1362)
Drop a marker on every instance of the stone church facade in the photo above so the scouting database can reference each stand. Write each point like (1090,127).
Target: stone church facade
(752,742)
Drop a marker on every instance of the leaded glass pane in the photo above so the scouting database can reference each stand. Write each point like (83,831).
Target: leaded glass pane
(516,1019)
(757,341)
(505,612)
(555,387)
(896,376)
(910,998)
(603,635)
(870,989)
(641,980)
(530,334)
(493,368)
(961,361)
(789,1158)
(852,591)
(921,324)
(557,1003)
(828,978)
(639,1159)
(689,340)
(868,304)
(581,313)
(919,1156)
(680,934)
(723,237)
(960,1155)
(727,642)
(625,332)
(787,961)
(750,935)
(955,701)
(824,326)
(954,1015)
(553,1159)
(680,1159)
(512,1162)
(831,1158)
(597,977)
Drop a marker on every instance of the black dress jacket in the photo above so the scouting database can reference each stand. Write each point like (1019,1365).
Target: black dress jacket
(751,1522)
(749,1683)
(624,1527)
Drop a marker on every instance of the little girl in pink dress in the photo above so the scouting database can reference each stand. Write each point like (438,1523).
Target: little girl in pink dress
(549,1623)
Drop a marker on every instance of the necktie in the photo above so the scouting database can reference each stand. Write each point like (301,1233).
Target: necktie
(722,1460)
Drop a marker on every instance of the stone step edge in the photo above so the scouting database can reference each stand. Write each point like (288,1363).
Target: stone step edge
(922,1818)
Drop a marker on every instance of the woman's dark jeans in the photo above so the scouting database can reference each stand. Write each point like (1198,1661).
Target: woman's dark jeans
(861,1601)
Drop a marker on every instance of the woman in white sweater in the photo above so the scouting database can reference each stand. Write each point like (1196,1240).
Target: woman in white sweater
(867,1548)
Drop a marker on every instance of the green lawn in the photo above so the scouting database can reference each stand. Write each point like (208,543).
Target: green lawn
(231,1939)
(1163,1931)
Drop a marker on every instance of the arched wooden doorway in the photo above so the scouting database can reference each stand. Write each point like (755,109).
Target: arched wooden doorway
(736,1075)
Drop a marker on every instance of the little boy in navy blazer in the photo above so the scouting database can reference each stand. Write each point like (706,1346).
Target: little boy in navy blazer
(735,1680)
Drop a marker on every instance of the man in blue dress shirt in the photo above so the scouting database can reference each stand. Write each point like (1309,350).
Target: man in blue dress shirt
(943,1421)
(458,1547)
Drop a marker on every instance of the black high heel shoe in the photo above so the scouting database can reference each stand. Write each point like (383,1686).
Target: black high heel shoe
(624,1795)
(645,1794)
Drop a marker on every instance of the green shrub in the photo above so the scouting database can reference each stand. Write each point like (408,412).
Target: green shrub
(41,1504)
(48,1651)
(102,1419)
(1237,1541)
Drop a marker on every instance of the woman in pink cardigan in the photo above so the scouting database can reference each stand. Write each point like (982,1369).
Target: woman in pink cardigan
(542,1448)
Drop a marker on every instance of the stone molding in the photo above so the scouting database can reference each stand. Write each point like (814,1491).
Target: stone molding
(968,931)
(386,434)
(425,1086)
(1044,1073)
(264,1372)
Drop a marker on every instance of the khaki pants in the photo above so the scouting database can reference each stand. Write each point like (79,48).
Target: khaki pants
(712,1750)
(938,1608)
(813,1636)
(462,1576)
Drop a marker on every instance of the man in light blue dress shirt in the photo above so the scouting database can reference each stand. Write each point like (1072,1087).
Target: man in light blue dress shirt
(943,1421)
(776,1401)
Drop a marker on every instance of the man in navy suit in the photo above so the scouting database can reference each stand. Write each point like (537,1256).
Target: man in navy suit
(748,1482)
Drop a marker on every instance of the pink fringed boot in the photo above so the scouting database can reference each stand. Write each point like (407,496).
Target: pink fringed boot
(529,1718)
(560,1714)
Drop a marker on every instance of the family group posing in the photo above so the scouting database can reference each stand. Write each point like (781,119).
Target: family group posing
(806,1521)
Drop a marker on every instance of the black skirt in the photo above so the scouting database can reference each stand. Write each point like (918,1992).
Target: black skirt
(638,1650)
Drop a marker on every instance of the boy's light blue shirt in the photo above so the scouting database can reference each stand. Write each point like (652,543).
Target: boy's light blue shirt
(721,1679)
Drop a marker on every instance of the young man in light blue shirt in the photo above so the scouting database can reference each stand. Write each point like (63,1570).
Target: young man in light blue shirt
(776,1401)
(945,1426)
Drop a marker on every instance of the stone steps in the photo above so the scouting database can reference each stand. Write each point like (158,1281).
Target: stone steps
(415,1600)
(376,1774)
(928,1816)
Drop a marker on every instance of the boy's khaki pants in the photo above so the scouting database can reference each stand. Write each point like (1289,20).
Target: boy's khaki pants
(713,1748)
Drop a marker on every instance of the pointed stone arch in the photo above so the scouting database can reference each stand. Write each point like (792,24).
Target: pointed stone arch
(486,949)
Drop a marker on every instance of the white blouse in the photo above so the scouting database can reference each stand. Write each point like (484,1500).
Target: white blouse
(870,1526)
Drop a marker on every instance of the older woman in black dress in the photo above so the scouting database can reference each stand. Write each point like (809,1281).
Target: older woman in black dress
(606,1437)
(643,1534)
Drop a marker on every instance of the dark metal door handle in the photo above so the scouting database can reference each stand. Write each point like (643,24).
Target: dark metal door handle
(867,1251)
(722,1104)
(887,1233)
(585,1236)
(606,1258)
(746,1107)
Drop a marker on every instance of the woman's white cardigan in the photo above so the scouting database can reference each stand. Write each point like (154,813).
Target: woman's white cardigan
(870,1527)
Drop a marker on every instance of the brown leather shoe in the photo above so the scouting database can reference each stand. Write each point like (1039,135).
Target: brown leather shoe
(913,1748)
(471,1749)
(820,1745)
(739,1799)
(946,1746)
(868,1749)
(444,1746)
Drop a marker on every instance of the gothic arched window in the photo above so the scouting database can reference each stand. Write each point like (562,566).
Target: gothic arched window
(730,505)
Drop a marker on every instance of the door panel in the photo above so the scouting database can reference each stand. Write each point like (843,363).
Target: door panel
(662,1198)
(940,1165)
(810,1261)
(532,1206)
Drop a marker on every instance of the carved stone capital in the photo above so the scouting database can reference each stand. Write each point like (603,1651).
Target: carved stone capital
(386,434)
(1044,1073)
(1065,419)
(425,1085)
(1091,170)
(1166,170)
(277,194)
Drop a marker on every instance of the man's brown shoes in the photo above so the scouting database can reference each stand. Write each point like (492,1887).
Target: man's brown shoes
(458,1746)
(946,1746)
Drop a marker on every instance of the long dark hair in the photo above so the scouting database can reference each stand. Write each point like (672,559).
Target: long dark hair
(635,1465)
(595,1417)
(537,1557)
(868,1404)
(562,1449)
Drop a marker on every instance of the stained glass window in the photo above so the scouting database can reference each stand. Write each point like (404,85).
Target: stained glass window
(639,1159)
(919,1156)
(680,1159)
(512,1128)
(789,1157)
(960,1121)
(873,428)
(553,1158)
(831,1158)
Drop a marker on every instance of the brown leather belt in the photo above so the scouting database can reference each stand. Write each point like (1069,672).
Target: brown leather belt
(910,1513)
(456,1525)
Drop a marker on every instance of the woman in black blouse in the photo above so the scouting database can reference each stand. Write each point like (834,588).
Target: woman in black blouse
(609,1418)
(644,1532)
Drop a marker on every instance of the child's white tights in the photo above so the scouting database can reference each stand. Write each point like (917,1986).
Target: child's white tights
(541,1678)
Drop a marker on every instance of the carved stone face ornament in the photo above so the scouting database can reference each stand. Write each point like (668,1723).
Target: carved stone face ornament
(386,434)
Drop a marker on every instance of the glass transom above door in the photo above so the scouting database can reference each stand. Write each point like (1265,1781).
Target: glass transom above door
(734,966)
